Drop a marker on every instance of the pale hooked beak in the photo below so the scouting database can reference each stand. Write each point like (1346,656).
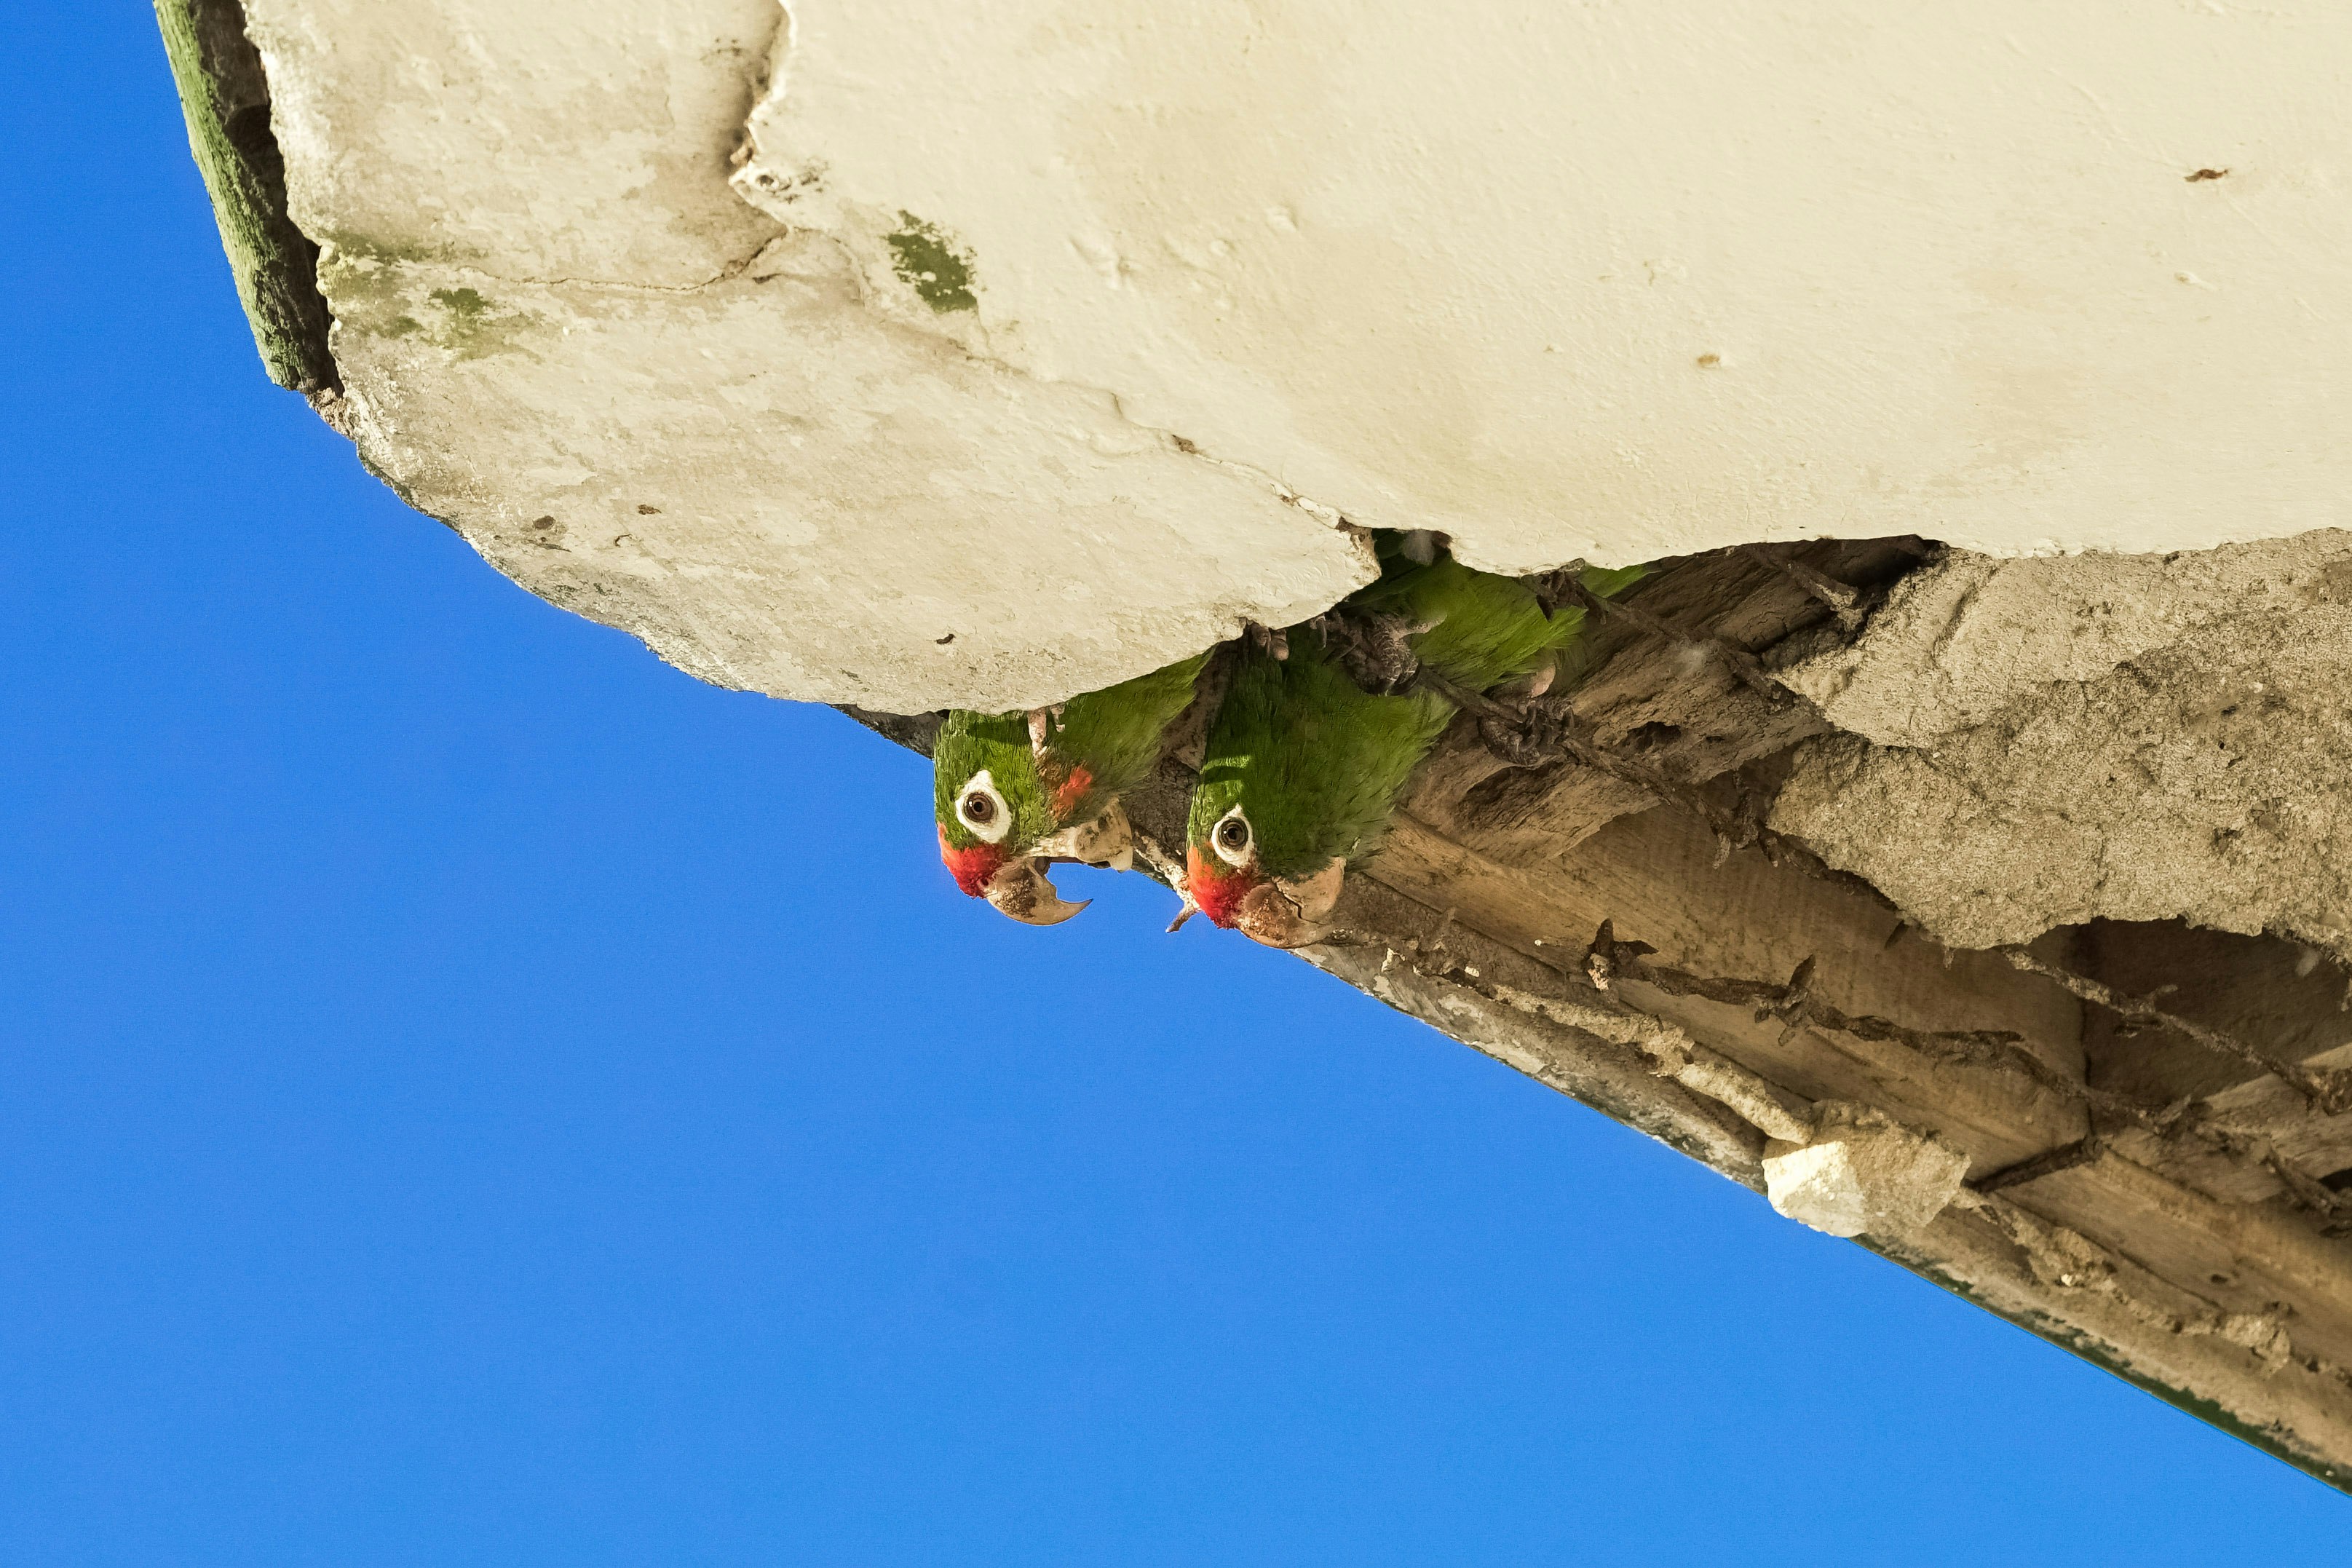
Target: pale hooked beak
(1021,891)
(1292,914)
(1108,840)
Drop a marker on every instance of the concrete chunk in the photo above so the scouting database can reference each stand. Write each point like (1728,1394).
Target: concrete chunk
(1864,1172)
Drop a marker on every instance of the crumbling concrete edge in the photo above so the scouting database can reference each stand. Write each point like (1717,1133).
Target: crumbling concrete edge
(2116,1332)
(225,94)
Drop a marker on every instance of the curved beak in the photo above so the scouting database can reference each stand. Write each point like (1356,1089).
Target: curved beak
(1021,891)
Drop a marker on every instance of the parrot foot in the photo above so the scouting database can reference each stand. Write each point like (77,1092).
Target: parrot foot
(1374,649)
(1267,639)
(1525,737)
(1108,840)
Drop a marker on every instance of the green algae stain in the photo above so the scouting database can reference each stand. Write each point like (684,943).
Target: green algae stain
(929,260)
(225,96)
(378,298)
(466,304)
(472,326)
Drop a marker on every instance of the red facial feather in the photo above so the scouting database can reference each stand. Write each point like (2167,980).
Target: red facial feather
(974,867)
(1216,886)
(1070,792)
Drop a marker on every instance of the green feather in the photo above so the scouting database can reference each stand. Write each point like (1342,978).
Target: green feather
(1114,734)
(1316,763)
(999,742)
(1486,629)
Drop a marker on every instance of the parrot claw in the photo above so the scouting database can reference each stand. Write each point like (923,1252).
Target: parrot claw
(1188,910)
(1318,895)
(1108,840)
(1292,914)
(1022,890)
(1267,639)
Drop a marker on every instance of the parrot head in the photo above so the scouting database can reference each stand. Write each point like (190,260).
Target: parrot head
(1241,878)
(1007,808)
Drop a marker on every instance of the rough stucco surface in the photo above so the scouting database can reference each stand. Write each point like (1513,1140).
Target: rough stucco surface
(2042,742)
(907,355)
(560,330)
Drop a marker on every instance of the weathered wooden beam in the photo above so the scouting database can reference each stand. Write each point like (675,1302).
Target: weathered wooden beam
(1743,985)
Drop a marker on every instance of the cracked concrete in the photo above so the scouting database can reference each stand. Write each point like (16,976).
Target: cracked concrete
(906,359)
(1570,282)
(2044,742)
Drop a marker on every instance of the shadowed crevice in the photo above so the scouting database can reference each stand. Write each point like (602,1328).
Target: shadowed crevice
(225,93)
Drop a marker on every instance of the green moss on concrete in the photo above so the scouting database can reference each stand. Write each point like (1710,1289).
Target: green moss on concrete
(473,326)
(377,300)
(928,261)
(225,97)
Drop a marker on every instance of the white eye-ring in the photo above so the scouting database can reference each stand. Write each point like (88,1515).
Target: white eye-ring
(981,808)
(1232,837)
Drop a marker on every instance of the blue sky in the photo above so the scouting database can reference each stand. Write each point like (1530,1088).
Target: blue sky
(473,1095)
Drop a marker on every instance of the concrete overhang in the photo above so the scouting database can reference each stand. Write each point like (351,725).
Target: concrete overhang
(825,333)
(1963,870)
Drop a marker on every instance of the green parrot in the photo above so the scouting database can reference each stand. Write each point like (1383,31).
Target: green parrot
(1305,766)
(1015,792)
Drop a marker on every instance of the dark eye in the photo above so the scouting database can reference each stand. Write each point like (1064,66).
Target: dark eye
(1231,840)
(980,807)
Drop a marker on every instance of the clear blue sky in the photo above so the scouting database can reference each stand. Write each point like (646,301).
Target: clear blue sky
(473,1095)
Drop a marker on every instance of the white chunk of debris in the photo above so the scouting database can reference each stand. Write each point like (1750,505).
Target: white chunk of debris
(1864,1172)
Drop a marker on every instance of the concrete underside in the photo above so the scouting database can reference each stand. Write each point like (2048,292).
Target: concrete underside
(905,357)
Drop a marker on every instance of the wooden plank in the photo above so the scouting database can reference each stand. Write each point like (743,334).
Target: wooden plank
(1650,876)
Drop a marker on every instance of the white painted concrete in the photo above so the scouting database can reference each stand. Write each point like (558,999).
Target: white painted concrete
(562,331)
(1626,279)
(1615,281)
